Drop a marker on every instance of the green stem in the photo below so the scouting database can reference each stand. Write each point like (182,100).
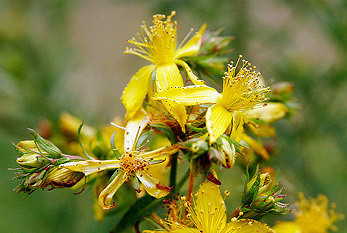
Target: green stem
(173,173)
(182,181)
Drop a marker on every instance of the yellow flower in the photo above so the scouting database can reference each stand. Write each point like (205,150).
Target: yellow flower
(313,216)
(158,44)
(132,164)
(208,215)
(241,91)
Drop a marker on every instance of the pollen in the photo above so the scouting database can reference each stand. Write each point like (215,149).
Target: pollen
(131,163)
(241,87)
(156,43)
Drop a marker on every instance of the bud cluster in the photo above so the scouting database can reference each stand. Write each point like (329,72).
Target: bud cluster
(39,166)
(202,154)
(261,197)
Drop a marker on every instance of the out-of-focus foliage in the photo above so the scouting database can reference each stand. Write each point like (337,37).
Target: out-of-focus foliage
(35,56)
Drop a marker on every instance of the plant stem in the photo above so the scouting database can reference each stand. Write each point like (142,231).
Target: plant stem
(190,187)
(173,173)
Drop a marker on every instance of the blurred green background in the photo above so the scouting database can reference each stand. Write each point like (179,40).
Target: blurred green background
(58,55)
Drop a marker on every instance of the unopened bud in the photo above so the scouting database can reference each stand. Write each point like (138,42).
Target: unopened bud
(31,160)
(61,178)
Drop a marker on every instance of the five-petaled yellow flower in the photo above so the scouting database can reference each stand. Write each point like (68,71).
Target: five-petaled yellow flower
(241,91)
(132,164)
(208,215)
(312,216)
(158,44)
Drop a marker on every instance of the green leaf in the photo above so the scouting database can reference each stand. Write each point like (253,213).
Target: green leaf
(143,138)
(80,141)
(167,131)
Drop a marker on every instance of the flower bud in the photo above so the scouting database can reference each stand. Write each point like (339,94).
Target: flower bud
(59,177)
(197,146)
(228,153)
(265,180)
(69,125)
(282,87)
(31,160)
(270,113)
(39,163)
(261,197)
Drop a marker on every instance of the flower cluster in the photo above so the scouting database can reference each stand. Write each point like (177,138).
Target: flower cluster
(172,120)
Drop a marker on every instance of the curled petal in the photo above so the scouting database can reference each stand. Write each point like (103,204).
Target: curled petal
(177,111)
(136,90)
(217,121)
(192,46)
(190,95)
(190,73)
(163,151)
(247,226)
(134,128)
(106,196)
(91,166)
(152,185)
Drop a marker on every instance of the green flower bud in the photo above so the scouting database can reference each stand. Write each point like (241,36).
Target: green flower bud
(197,146)
(261,197)
(39,163)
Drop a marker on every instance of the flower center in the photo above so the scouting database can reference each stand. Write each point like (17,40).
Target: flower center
(158,42)
(241,90)
(131,163)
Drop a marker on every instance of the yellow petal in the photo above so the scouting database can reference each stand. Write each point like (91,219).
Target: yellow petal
(270,113)
(91,166)
(247,226)
(217,121)
(168,75)
(256,147)
(152,185)
(177,111)
(190,73)
(190,95)
(287,227)
(237,126)
(134,128)
(183,230)
(163,151)
(106,196)
(208,214)
(136,90)
(192,46)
